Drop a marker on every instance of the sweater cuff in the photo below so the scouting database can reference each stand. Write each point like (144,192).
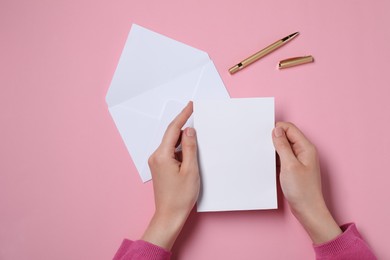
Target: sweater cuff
(151,251)
(340,243)
(141,249)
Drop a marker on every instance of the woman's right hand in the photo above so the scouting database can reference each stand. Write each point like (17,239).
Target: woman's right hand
(300,179)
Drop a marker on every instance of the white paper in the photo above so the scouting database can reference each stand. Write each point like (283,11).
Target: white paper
(236,154)
(154,72)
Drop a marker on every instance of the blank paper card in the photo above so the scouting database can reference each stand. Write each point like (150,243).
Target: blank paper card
(236,154)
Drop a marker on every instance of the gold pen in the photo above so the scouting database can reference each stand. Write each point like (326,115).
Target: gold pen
(260,54)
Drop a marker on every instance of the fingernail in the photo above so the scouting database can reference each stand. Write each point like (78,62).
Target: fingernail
(190,131)
(278,132)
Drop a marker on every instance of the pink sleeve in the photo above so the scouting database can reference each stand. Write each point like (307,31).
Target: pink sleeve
(348,245)
(140,250)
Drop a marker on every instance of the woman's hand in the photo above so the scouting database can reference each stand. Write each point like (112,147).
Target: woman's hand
(300,180)
(176,181)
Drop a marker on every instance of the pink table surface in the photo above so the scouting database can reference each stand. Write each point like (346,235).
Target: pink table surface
(68,187)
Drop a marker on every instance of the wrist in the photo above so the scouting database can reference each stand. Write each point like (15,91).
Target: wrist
(163,229)
(318,222)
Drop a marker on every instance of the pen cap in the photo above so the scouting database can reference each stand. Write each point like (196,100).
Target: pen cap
(287,63)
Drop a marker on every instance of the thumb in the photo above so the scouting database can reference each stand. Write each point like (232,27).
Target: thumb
(283,146)
(190,150)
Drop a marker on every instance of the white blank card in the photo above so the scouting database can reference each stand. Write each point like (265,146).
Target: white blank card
(236,154)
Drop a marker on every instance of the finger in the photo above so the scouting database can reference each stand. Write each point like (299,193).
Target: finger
(283,146)
(294,135)
(303,149)
(189,150)
(173,132)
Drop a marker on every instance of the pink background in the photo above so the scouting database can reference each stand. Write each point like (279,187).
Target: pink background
(68,187)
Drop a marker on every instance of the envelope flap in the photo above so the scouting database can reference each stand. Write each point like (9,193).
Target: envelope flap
(210,85)
(149,60)
(152,102)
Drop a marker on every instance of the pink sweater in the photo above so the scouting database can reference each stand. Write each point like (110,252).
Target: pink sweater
(348,245)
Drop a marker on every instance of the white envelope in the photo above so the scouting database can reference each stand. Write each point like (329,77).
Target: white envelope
(155,78)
